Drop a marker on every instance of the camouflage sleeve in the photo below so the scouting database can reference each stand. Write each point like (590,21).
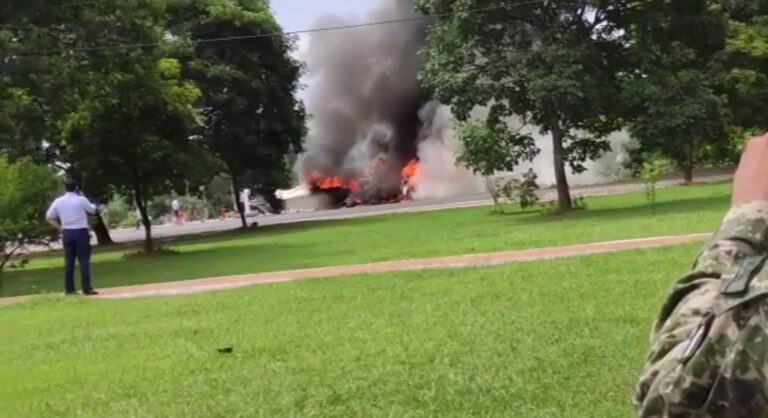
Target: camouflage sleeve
(666,388)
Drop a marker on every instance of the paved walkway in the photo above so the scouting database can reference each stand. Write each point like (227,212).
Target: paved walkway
(487,259)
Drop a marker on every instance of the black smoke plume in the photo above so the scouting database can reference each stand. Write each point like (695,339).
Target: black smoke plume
(364,98)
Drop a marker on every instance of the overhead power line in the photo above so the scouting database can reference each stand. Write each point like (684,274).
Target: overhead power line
(421,18)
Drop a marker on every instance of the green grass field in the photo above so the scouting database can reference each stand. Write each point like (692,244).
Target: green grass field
(392,237)
(562,338)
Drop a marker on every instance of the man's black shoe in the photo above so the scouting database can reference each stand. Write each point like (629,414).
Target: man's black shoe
(72,293)
(90,292)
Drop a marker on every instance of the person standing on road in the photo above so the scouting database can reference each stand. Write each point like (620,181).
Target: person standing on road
(709,355)
(176,207)
(69,214)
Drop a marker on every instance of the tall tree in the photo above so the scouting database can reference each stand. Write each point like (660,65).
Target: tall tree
(745,63)
(251,117)
(43,87)
(118,116)
(674,95)
(21,124)
(553,63)
(26,189)
(140,137)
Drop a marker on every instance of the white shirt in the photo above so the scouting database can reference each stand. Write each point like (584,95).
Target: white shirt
(176,205)
(72,211)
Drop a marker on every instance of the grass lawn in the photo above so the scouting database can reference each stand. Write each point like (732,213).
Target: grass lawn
(560,338)
(392,237)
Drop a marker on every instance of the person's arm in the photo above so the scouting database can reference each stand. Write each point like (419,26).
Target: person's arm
(675,378)
(55,223)
(89,207)
(52,216)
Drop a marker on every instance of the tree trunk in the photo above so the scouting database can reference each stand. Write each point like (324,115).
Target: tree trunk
(239,203)
(688,165)
(99,227)
(102,232)
(149,245)
(141,204)
(561,179)
(490,186)
(688,174)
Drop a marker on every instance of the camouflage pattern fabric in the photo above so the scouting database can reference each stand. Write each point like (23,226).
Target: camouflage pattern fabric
(709,352)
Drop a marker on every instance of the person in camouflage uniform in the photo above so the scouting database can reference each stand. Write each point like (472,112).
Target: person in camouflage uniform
(709,353)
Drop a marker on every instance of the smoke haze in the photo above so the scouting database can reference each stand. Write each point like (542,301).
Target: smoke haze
(365,103)
(365,97)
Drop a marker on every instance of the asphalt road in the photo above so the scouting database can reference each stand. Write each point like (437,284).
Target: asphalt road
(192,228)
(165,231)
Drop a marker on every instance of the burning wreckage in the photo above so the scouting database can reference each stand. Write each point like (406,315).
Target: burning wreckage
(368,115)
(374,136)
(365,188)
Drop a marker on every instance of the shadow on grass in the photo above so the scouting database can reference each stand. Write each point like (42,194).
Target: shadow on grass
(214,237)
(667,208)
(186,265)
(511,211)
(246,256)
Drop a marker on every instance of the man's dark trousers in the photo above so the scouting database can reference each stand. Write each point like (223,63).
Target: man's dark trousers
(77,245)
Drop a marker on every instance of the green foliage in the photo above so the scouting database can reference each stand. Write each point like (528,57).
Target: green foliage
(116,119)
(196,209)
(553,208)
(490,149)
(527,195)
(580,203)
(499,188)
(521,191)
(251,118)
(550,208)
(118,212)
(727,151)
(19,121)
(158,208)
(26,190)
(148,121)
(550,64)
(219,193)
(654,168)
(745,62)
(699,78)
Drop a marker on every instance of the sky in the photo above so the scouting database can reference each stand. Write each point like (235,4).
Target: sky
(294,15)
(300,14)
(297,15)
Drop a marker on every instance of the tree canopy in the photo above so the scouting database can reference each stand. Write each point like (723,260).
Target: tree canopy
(687,79)
(251,117)
(554,64)
(675,101)
(124,98)
(26,190)
(146,97)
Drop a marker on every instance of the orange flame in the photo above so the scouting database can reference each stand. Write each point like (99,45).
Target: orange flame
(325,183)
(411,170)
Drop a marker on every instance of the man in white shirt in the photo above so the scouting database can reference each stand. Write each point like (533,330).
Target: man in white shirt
(176,207)
(69,214)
